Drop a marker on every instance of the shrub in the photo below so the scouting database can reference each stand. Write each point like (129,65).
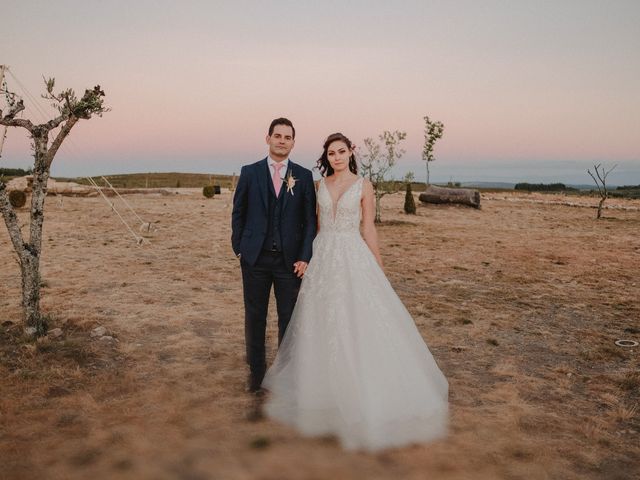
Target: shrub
(543,187)
(17,198)
(409,202)
(209,191)
(15,172)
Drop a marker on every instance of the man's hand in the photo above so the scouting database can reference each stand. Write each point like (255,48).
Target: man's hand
(299,268)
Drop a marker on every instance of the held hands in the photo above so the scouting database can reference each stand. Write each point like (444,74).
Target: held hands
(299,268)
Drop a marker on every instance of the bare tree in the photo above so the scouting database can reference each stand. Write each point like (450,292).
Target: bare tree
(433,131)
(600,178)
(70,111)
(375,165)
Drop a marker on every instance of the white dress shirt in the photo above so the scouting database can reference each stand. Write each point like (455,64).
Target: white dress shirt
(283,170)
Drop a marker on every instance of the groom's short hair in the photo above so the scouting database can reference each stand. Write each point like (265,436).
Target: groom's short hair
(282,121)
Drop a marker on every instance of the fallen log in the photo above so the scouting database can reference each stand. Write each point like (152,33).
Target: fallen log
(440,195)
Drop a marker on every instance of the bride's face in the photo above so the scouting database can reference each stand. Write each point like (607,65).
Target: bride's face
(338,155)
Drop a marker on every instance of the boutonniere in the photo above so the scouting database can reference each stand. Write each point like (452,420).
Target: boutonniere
(291,182)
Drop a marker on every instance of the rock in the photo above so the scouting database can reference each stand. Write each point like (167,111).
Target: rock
(98,332)
(107,338)
(55,333)
(30,330)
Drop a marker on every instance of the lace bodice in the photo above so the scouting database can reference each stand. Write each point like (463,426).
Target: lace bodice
(347,209)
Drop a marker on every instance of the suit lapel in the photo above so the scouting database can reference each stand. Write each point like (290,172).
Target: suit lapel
(284,192)
(263,182)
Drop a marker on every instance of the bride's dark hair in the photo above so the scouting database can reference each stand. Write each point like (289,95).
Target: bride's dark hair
(323,162)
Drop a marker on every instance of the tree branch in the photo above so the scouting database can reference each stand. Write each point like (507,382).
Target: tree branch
(15,109)
(597,168)
(64,131)
(8,119)
(609,171)
(594,179)
(11,220)
(16,122)
(51,124)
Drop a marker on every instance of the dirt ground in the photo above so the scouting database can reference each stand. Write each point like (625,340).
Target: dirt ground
(520,302)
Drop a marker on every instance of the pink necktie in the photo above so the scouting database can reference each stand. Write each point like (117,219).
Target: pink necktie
(277,181)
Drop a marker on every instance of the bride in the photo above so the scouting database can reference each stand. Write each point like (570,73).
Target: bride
(352,362)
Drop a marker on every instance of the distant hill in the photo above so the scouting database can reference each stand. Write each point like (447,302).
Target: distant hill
(501,185)
(510,186)
(158,180)
(199,180)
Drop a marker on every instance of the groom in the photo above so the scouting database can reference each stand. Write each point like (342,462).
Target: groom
(272,229)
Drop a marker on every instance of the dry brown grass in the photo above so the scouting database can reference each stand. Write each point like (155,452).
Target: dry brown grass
(519,302)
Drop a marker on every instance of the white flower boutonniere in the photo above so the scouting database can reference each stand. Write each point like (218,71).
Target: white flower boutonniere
(291,182)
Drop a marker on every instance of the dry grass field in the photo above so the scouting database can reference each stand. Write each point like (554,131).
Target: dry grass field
(520,303)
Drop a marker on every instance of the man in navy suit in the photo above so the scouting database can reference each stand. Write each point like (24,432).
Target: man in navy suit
(273,226)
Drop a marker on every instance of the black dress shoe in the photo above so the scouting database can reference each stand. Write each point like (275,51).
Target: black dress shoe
(255,413)
(254,384)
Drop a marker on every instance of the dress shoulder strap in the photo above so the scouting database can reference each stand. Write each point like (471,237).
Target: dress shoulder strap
(361,181)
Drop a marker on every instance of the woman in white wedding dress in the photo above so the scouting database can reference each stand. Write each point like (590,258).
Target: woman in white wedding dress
(352,362)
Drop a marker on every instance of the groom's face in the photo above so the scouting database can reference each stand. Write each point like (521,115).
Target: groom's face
(280,142)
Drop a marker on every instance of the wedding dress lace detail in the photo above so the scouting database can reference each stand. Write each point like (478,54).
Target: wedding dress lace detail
(352,362)
(344,216)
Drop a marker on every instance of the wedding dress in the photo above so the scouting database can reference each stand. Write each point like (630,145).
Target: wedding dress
(352,362)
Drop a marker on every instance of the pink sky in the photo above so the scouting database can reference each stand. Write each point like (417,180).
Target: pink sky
(195,85)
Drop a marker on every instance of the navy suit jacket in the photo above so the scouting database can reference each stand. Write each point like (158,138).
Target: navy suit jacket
(250,217)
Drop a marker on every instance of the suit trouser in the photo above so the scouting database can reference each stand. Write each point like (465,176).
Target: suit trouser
(269,269)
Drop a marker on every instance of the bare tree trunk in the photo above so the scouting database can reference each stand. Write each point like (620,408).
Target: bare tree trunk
(599,214)
(600,178)
(29,253)
(29,265)
(378,218)
(462,196)
(11,220)
(71,110)
(30,269)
